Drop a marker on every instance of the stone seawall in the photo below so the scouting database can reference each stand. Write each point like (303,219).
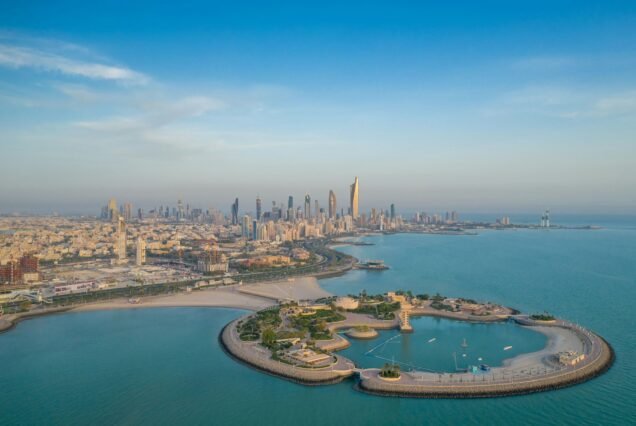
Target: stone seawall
(10,321)
(559,380)
(255,356)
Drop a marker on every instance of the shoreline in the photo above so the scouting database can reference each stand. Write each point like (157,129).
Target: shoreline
(255,297)
(230,297)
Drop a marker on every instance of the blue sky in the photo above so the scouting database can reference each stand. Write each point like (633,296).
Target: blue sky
(496,107)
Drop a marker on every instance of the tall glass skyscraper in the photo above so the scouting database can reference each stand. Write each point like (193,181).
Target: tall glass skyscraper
(355,195)
(307,206)
(332,205)
(235,208)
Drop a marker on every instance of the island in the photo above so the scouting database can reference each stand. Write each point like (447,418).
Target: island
(299,341)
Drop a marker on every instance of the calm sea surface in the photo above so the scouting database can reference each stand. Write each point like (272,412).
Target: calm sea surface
(437,343)
(164,366)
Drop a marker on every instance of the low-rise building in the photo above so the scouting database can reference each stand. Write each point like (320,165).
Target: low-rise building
(570,357)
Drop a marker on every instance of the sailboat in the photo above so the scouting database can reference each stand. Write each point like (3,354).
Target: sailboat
(464,344)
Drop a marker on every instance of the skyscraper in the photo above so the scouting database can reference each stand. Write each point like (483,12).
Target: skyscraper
(179,210)
(290,208)
(120,243)
(141,251)
(112,210)
(355,195)
(235,208)
(392,211)
(258,207)
(316,209)
(307,206)
(245,227)
(128,212)
(332,205)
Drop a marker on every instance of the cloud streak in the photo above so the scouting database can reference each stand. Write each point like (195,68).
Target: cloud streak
(31,57)
(565,102)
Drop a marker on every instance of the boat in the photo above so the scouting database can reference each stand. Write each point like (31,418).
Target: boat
(484,367)
(432,340)
(464,344)
(507,348)
(373,265)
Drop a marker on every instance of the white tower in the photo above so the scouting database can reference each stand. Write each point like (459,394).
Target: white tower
(141,251)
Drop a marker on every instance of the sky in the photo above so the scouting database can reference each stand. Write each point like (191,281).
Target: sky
(470,106)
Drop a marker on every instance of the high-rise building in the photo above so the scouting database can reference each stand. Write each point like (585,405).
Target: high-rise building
(128,212)
(392,211)
(112,210)
(258,208)
(545,219)
(179,214)
(354,199)
(141,251)
(290,208)
(332,205)
(307,206)
(235,209)
(120,245)
(316,209)
(245,227)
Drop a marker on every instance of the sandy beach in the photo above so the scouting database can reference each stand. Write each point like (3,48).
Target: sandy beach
(300,288)
(559,339)
(227,297)
(251,297)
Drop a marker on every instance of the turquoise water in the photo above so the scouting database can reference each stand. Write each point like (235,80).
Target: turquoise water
(164,366)
(418,350)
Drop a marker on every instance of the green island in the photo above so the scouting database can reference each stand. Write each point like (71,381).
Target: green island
(300,340)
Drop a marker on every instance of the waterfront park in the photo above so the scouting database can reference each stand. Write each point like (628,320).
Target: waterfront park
(308,342)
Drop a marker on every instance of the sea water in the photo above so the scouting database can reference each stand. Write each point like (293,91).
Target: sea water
(165,366)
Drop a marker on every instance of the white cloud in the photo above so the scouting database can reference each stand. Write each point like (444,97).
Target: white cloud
(620,103)
(155,114)
(32,57)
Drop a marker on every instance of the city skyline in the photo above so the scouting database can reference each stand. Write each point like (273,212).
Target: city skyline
(502,109)
(291,212)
